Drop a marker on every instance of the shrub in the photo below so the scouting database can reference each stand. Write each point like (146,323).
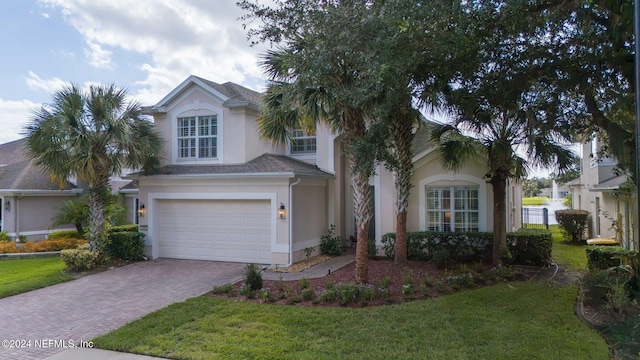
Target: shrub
(52,245)
(372,251)
(126,245)
(22,238)
(530,246)
(65,234)
(346,293)
(573,223)
(81,259)
(303,283)
(252,277)
(603,257)
(308,294)
(421,245)
(124,228)
(441,258)
(331,244)
(8,248)
(4,237)
(224,289)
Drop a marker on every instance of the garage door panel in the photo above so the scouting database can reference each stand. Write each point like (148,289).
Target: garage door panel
(222,230)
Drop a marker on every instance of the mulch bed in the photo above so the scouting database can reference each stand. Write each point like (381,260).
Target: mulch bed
(427,281)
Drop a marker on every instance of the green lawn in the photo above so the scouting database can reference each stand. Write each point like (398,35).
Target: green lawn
(531,201)
(571,255)
(509,321)
(22,275)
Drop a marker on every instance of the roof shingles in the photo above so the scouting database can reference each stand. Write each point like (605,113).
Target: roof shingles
(263,164)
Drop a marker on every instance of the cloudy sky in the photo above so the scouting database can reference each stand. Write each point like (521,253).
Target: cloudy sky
(146,46)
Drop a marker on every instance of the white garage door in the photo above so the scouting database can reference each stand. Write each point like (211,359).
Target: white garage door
(220,230)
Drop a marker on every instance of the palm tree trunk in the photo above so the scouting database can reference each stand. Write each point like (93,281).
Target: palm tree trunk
(499,219)
(97,218)
(403,138)
(363,213)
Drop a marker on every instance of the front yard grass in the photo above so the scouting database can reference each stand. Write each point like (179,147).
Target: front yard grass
(566,253)
(534,201)
(22,275)
(527,320)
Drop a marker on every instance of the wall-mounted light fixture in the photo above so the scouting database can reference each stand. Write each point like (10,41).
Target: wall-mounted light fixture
(7,205)
(282,212)
(141,210)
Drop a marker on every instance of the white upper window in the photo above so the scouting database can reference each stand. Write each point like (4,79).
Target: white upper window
(198,137)
(302,142)
(452,208)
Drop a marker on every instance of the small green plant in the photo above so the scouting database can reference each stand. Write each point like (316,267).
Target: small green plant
(308,251)
(331,244)
(366,292)
(264,294)
(385,282)
(308,294)
(303,283)
(223,289)
(22,238)
(4,237)
(347,294)
(328,295)
(252,277)
(248,291)
(329,285)
(294,299)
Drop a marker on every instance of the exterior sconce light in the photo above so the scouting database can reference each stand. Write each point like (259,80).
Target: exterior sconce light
(7,205)
(141,210)
(282,212)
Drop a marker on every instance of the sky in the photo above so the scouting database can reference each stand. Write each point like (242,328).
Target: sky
(145,46)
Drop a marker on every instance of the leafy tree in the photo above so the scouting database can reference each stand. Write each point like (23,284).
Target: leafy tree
(92,134)
(494,140)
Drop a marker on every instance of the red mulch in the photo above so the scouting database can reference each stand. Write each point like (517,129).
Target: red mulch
(379,269)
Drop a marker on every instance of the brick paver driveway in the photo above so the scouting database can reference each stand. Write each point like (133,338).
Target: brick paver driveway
(94,305)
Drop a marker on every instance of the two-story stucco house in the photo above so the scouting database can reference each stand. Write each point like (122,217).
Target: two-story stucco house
(225,194)
(600,191)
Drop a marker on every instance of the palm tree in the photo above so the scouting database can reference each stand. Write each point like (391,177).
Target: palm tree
(76,212)
(498,139)
(92,134)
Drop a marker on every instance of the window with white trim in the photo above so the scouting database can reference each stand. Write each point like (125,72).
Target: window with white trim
(302,142)
(452,208)
(198,137)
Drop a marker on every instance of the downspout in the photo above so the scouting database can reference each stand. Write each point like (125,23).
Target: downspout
(15,217)
(291,220)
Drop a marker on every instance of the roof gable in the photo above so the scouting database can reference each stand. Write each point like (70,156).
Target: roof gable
(231,94)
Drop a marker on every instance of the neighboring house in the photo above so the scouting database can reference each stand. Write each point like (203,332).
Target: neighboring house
(29,197)
(601,192)
(225,194)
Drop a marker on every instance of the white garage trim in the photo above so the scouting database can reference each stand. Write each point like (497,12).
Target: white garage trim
(154,197)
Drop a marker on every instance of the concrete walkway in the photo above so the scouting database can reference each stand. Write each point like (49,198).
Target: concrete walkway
(315,271)
(45,321)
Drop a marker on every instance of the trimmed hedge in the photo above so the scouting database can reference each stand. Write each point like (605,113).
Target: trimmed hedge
(421,245)
(81,259)
(52,245)
(601,257)
(573,223)
(126,245)
(8,248)
(123,228)
(65,234)
(530,246)
(527,246)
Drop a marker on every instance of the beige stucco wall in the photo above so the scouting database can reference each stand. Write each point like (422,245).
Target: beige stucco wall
(33,214)
(210,188)
(238,138)
(309,216)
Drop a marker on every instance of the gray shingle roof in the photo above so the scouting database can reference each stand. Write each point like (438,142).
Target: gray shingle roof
(24,175)
(265,163)
(421,140)
(235,92)
(12,152)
